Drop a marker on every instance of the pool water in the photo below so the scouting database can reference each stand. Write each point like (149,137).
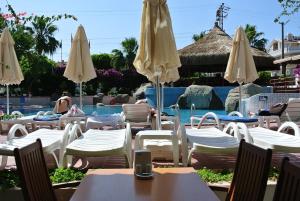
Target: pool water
(92,109)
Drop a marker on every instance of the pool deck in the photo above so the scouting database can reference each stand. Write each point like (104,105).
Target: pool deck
(212,161)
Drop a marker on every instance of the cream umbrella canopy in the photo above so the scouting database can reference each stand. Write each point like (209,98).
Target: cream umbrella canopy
(80,67)
(240,67)
(157,56)
(10,72)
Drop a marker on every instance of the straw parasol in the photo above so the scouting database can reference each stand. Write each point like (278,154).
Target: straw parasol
(211,53)
(10,72)
(241,67)
(80,67)
(157,56)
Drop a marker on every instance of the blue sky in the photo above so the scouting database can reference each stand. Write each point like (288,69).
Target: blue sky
(108,22)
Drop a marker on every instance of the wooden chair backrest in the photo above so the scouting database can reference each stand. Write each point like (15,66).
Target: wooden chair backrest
(35,181)
(251,173)
(288,184)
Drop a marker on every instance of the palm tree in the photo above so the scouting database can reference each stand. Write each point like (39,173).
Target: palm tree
(129,47)
(117,59)
(43,31)
(255,38)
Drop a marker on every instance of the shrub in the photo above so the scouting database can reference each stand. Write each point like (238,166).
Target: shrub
(212,176)
(10,178)
(61,175)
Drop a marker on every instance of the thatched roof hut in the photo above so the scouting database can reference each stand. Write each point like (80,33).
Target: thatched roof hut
(211,53)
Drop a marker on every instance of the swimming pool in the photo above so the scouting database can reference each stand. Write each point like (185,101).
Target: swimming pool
(89,109)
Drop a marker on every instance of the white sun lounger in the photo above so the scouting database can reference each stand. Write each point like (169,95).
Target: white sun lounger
(275,140)
(209,140)
(51,140)
(98,143)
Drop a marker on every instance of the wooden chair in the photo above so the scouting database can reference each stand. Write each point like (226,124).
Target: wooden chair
(288,184)
(35,181)
(250,175)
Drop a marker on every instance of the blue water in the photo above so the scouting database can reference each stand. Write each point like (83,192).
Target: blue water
(89,109)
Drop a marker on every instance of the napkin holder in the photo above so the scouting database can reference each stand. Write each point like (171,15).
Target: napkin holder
(143,164)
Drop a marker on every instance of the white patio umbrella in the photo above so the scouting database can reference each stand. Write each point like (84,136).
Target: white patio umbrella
(10,72)
(157,56)
(240,67)
(80,67)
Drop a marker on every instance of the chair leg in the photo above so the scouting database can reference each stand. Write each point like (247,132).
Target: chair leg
(67,161)
(190,157)
(55,158)
(3,162)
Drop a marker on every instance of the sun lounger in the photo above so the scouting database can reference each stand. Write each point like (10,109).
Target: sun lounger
(51,140)
(98,143)
(276,140)
(208,140)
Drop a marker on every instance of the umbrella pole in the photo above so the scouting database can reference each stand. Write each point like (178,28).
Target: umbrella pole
(7,99)
(240,98)
(158,104)
(162,98)
(80,95)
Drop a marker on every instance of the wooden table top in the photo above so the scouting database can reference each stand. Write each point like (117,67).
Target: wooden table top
(168,184)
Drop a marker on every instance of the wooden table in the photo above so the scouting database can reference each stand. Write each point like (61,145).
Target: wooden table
(168,184)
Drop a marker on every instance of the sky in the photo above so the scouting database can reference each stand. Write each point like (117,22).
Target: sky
(109,22)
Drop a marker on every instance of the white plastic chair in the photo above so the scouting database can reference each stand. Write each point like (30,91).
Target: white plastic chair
(51,140)
(137,114)
(163,144)
(98,143)
(291,113)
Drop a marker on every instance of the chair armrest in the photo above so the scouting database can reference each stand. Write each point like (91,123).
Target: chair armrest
(66,184)
(235,113)
(210,115)
(12,132)
(218,188)
(292,125)
(193,119)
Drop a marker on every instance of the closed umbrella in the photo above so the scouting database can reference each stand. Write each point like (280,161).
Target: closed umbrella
(10,72)
(157,56)
(240,67)
(80,67)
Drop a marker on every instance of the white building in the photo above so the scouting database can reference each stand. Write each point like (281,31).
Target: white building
(291,48)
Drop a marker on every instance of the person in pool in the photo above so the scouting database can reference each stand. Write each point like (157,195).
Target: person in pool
(63,104)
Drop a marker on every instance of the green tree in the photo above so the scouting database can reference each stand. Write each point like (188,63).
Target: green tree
(102,61)
(117,59)
(43,31)
(289,8)
(24,42)
(129,48)
(196,37)
(255,38)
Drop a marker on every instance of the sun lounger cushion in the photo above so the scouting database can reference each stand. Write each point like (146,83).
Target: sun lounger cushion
(47,117)
(237,119)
